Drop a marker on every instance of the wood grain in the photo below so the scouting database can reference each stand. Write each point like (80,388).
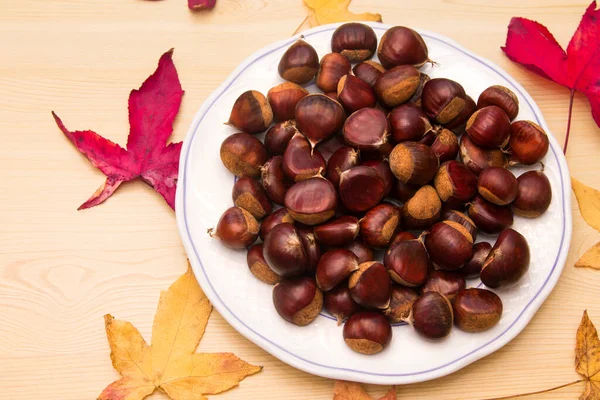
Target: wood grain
(61,270)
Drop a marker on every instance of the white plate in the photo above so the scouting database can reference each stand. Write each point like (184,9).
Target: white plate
(204,192)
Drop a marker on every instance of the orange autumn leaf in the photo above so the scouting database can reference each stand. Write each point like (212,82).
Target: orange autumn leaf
(587,358)
(330,11)
(589,203)
(591,258)
(344,390)
(170,363)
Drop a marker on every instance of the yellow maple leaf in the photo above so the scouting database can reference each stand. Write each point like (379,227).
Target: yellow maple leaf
(344,390)
(589,203)
(170,363)
(591,258)
(587,358)
(330,11)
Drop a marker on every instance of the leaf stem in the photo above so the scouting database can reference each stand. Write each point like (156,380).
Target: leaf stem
(537,392)
(569,120)
(301,23)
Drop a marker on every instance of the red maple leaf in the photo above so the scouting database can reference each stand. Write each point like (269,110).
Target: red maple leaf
(152,110)
(531,44)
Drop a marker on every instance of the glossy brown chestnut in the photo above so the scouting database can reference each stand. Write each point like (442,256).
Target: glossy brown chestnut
(249,194)
(333,66)
(416,98)
(331,117)
(413,163)
(423,209)
(284,251)
(502,97)
(528,142)
(401,303)
(278,136)
(472,268)
(300,161)
(334,267)
(339,303)
(367,332)
(448,283)
(449,245)
(508,260)
(355,41)
(379,225)
(330,146)
(354,93)
(243,154)
(299,63)
(458,124)
(283,99)
(489,217)
(251,112)
(278,217)
(311,246)
(478,159)
(455,183)
(403,191)
(274,180)
(361,188)
(489,127)
(443,99)
(259,267)
(428,139)
(342,160)
(408,123)
(400,237)
(534,195)
(408,262)
(397,85)
(445,145)
(298,300)
(371,285)
(360,250)
(367,129)
(386,173)
(236,229)
(338,232)
(400,45)
(312,201)
(461,218)
(432,315)
(476,310)
(497,185)
(368,71)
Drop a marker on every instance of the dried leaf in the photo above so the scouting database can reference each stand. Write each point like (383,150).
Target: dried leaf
(589,203)
(587,357)
(201,4)
(591,258)
(152,110)
(344,390)
(330,11)
(170,363)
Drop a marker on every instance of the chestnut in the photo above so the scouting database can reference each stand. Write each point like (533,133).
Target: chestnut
(299,63)
(298,300)
(243,155)
(334,267)
(397,85)
(528,142)
(259,267)
(400,237)
(449,245)
(354,93)
(379,225)
(332,95)
(311,201)
(278,217)
(416,98)
(300,161)
(448,283)
(330,119)
(339,303)
(283,99)
(508,260)
(337,232)
(366,129)
(443,99)
(236,229)
(329,146)
(534,194)
(459,123)
(461,218)
(274,180)
(408,123)
(370,286)
(386,173)
(408,262)
(478,159)
(428,139)
(497,185)
(472,268)
(401,302)
(355,41)
(368,71)
(423,209)
(251,112)
(311,246)
(500,96)
(284,251)
(455,183)
(360,250)
(333,66)
(488,217)
(413,163)
(278,136)
(445,145)
(403,191)
(342,160)
(432,315)
(476,310)
(249,194)
(361,188)
(400,45)
(367,332)
(489,127)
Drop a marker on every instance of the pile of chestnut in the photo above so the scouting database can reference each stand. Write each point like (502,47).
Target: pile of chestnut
(340,163)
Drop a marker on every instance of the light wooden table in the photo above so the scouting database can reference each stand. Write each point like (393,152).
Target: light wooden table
(61,270)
